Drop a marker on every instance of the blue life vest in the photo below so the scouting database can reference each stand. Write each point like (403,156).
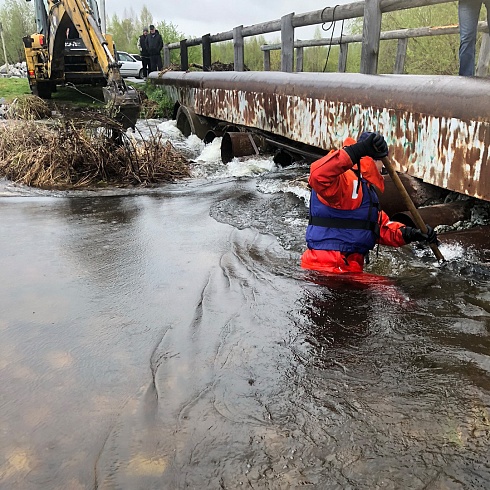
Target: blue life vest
(349,231)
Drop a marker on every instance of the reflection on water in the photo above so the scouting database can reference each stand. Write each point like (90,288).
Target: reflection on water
(170,340)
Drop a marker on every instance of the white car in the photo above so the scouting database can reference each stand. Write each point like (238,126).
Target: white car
(130,67)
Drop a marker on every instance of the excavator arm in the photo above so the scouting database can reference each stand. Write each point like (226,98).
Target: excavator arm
(89,31)
(123,102)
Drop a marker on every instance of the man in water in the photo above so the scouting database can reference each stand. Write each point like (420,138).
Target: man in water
(345,219)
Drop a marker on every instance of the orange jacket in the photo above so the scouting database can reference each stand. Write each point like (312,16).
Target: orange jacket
(336,184)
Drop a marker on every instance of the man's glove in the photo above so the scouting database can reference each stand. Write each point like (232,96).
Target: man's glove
(415,235)
(374,146)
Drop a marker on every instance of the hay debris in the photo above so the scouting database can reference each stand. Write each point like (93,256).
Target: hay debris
(28,108)
(70,155)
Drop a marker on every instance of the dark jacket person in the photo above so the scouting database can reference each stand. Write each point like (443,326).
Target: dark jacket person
(154,42)
(145,55)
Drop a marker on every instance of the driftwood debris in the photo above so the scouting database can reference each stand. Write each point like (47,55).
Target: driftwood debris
(70,154)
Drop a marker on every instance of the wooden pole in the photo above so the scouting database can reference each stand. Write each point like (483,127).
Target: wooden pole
(484,57)
(238,49)
(267,61)
(410,205)
(401,54)
(166,56)
(184,56)
(287,43)
(299,60)
(206,52)
(371,32)
(344,49)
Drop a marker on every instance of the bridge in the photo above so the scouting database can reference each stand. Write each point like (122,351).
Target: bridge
(437,127)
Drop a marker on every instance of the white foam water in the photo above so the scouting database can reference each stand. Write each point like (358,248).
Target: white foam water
(297,187)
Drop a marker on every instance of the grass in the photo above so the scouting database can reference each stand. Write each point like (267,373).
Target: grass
(81,95)
(158,103)
(10,88)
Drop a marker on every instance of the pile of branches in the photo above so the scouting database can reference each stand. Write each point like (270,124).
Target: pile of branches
(67,154)
(28,108)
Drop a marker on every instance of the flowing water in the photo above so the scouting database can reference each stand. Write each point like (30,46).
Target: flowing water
(168,339)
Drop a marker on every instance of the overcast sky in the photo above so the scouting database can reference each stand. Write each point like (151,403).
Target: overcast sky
(194,18)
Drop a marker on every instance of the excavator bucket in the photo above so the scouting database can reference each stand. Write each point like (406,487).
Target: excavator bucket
(123,104)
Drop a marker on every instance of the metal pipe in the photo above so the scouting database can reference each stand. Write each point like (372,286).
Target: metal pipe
(421,194)
(284,158)
(211,135)
(240,145)
(293,149)
(437,127)
(219,132)
(438,214)
(188,122)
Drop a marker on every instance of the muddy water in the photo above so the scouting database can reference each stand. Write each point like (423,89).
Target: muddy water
(169,340)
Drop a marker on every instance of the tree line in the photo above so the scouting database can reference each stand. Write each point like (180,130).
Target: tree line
(425,55)
(18,20)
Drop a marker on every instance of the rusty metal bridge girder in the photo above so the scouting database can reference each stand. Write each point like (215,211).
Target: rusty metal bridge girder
(437,127)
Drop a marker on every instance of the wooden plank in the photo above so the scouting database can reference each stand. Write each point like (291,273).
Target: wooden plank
(263,28)
(356,9)
(287,43)
(385,36)
(370,37)
(347,11)
(238,52)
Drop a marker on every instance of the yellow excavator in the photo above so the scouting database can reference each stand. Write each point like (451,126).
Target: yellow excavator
(70,47)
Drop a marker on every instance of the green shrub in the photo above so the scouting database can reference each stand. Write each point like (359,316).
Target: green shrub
(158,104)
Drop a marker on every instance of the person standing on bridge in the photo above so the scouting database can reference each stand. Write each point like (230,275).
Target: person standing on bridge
(144,53)
(155,45)
(468,13)
(345,219)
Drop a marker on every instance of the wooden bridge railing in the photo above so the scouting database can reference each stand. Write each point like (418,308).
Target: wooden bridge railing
(370,10)
(402,35)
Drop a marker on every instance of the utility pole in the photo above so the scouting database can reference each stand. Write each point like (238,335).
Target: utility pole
(102,16)
(4,48)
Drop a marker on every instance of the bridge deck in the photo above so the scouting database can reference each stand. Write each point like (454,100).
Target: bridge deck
(437,127)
